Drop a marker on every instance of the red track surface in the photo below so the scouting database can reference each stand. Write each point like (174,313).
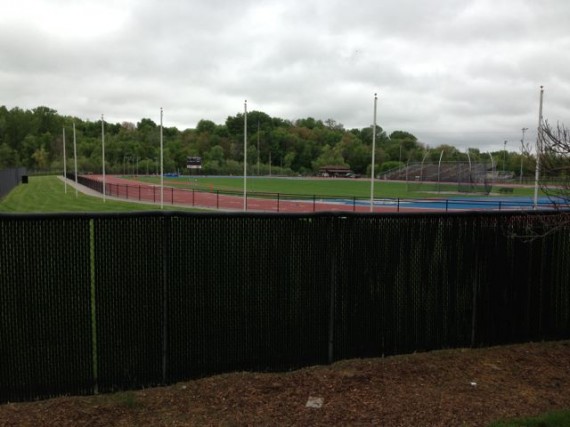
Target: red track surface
(139,191)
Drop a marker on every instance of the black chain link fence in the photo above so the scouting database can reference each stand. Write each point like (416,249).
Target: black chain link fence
(101,302)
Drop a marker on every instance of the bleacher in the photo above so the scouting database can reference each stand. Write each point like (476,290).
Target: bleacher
(446,172)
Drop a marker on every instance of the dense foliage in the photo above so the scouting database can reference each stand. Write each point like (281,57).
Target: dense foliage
(33,138)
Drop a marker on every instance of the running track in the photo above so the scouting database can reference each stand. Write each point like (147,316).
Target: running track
(138,191)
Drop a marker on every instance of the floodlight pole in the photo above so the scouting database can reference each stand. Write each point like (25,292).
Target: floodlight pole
(258,148)
(504,157)
(103,153)
(438,171)
(538,149)
(64,164)
(373,155)
(245,155)
(522,152)
(161,165)
(75,157)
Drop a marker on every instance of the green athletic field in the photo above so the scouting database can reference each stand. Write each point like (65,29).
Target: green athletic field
(46,193)
(319,187)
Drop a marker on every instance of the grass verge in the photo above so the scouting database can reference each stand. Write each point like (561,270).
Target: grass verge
(47,194)
(549,419)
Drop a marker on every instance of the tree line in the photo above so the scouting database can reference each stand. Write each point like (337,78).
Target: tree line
(34,139)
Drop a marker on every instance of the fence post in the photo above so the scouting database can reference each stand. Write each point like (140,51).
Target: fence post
(217,199)
(446,204)
(93,306)
(277,202)
(333,239)
(398,204)
(314,197)
(165,250)
(353,203)
(172,196)
(474,303)
(192,197)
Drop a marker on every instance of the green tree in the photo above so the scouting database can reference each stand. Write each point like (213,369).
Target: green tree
(356,154)
(206,126)
(216,154)
(329,157)
(41,158)
(8,157)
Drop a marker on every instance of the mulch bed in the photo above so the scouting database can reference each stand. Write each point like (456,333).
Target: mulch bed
(441,388)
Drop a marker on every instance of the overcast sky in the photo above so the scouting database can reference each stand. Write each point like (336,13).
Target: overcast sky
(465,73)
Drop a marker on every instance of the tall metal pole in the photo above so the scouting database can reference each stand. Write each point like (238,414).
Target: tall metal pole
(522,152)
(373,156)
(504,157)
(439,170)
(538,149)
(161,166)
(245,155)
(258,148)
(64,164)
(103,153)
(75,158)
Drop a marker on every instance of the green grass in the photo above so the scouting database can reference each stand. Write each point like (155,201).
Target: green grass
(47,194)
(320,187)
(549,419)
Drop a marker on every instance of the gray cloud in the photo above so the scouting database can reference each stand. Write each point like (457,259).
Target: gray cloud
(460,72)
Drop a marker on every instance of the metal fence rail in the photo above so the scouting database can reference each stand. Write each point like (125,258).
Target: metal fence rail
(99,302)
(282,202)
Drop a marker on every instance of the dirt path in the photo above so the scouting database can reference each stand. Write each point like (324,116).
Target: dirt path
(443,388)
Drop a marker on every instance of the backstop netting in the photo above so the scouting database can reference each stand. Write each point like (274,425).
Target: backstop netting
(449,177)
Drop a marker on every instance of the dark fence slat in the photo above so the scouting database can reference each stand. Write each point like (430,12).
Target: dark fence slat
(114,301)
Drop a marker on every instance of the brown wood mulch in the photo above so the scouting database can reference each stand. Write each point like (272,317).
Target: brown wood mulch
(464,387)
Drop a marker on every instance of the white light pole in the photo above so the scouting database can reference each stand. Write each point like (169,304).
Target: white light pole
(75,158)
(373,156)
(161,166)
(103,152)
(522,152)
(245,155)
(538,149)
(504,157)
(438,170)
(64,164)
